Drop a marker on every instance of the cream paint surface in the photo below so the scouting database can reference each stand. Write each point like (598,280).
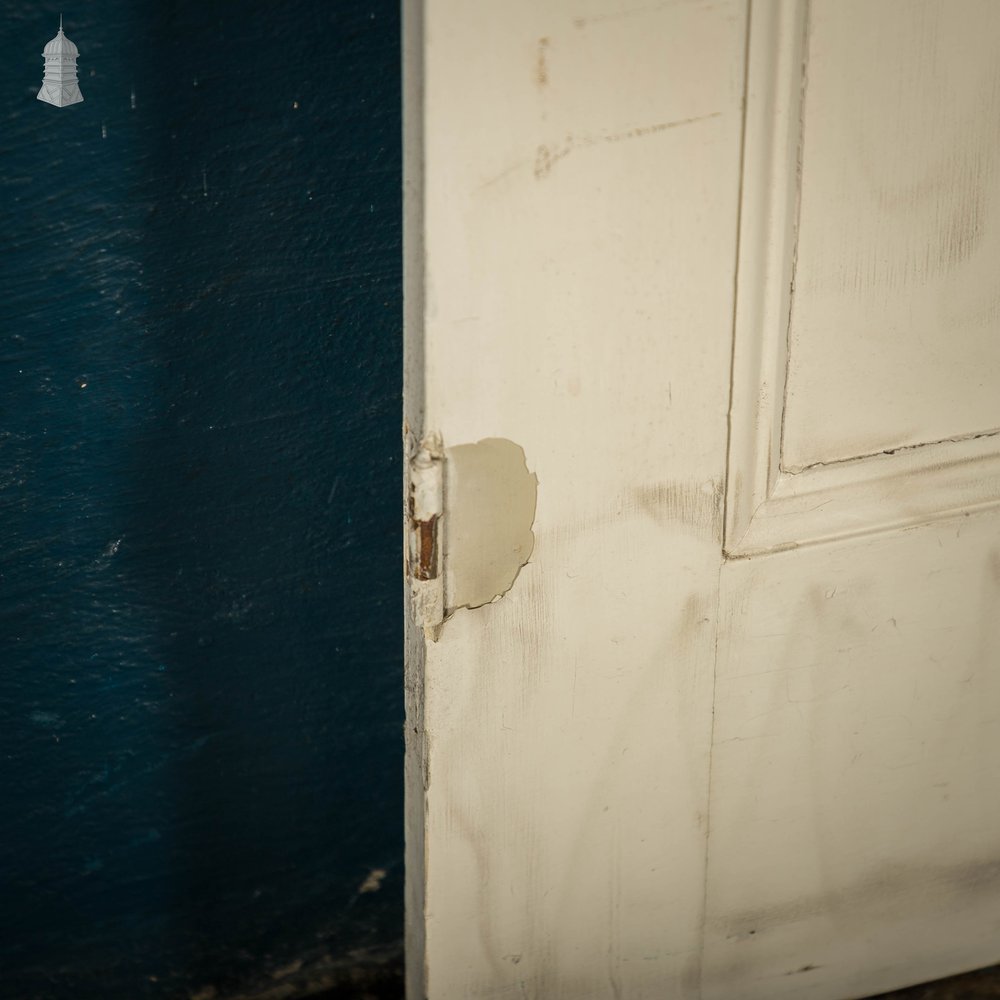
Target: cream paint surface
(855,825)
(580,826)
(896,303)
(567,254)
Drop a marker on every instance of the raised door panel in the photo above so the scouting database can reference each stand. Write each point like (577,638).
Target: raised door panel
(854,817)
(896,301)
(868,308)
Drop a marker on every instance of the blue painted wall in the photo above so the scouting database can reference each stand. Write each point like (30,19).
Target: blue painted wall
(200,639)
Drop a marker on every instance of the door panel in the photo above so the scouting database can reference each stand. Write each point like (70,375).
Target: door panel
(857,702)
(895,303)
(805,336)
(854,818)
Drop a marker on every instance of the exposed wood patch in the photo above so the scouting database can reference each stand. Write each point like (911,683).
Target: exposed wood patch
(425,506)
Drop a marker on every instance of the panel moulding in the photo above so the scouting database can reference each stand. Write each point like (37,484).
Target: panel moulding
(769,508)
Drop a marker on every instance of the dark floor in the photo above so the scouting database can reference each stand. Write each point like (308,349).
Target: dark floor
(387,985)
(971,986)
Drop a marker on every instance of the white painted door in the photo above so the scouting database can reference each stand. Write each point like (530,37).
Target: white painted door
(728,279)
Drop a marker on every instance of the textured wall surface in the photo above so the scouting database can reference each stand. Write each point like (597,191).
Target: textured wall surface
(200,705)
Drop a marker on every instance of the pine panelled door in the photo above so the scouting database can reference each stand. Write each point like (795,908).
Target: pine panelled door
(725,274)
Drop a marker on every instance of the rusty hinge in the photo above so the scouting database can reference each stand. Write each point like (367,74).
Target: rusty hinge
(425,508)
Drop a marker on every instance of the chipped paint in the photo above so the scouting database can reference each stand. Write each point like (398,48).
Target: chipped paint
(470,511)
(491,498)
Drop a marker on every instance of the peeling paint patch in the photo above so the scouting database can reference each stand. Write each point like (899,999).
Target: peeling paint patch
(470,512)
(490,498)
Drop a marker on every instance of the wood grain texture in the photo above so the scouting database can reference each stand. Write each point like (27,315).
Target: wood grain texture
(567,255)
(655,770)
(854,826)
